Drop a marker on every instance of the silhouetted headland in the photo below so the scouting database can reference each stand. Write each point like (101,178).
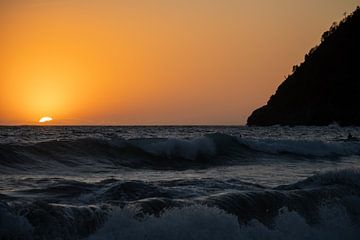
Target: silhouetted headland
(325,88)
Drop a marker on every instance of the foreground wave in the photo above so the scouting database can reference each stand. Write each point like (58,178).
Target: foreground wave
(200,222)
(213,149)
(324,206)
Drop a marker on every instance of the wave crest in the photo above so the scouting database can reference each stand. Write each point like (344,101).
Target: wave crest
(213,149)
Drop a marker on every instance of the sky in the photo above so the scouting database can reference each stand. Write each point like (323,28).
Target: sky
(171,62)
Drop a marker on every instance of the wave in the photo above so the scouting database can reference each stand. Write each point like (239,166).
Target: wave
(263,204)
(41,220)
(246,200)
(191,222)
(199,222)
(344,177)
(135,153)
(312,148)
(323,206)
(213,149)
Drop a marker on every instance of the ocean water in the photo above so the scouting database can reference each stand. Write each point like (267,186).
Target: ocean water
(179,183)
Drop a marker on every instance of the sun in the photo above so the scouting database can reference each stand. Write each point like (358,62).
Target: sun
(45,119)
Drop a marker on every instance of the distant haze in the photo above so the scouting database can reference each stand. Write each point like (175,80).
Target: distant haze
(152,62)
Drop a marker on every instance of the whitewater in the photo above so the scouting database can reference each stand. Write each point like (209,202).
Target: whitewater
(179,182)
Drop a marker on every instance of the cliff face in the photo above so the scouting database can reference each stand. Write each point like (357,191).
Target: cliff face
(325,88)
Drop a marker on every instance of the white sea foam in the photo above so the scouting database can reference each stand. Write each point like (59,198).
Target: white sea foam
(175,148)
(199,222)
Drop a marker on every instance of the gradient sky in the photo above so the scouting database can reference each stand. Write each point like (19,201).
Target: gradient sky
(152,62)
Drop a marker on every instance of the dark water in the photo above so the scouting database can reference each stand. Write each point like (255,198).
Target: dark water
(179,183)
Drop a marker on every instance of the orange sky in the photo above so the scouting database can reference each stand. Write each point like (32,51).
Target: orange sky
(152,62)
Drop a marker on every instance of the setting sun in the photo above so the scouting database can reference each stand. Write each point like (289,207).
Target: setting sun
(45,119)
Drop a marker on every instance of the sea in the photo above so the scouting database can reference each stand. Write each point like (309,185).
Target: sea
(179,182)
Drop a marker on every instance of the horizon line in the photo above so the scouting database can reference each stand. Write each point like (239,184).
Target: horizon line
(122,125)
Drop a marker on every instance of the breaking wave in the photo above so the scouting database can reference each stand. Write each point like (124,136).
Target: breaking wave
(199,222)
(323,206)
(214,149)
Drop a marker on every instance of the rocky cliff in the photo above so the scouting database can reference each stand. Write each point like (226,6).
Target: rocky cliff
(325,88)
